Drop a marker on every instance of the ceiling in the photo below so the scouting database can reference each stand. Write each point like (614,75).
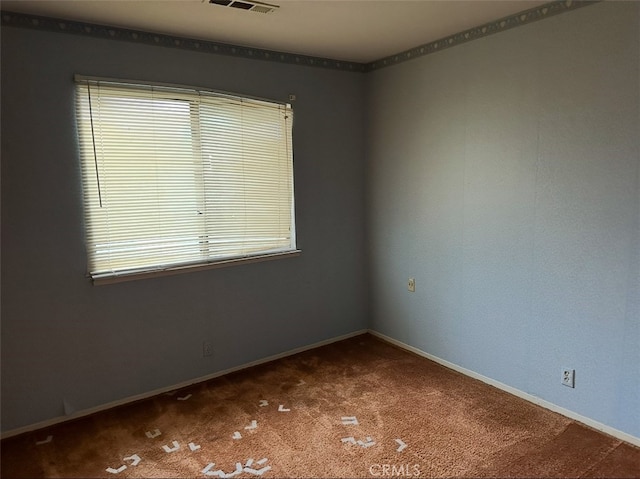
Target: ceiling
(349,30)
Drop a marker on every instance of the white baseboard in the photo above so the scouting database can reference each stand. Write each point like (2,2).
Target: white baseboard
(516,392)
(467,372)
(156,392)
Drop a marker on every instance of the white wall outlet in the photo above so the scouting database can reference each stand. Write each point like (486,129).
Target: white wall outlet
(207,349)
(568,377)
(411,285)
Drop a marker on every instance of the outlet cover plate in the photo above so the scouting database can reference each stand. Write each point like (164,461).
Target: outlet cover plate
(568,377)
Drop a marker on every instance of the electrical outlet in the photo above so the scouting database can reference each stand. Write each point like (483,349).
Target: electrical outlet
(411,285)
(207,349)
(568,377)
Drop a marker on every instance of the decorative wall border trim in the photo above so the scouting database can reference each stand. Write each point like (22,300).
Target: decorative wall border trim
(525,17)
(114,33)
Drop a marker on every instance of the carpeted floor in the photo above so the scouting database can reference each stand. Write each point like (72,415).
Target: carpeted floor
(357,408)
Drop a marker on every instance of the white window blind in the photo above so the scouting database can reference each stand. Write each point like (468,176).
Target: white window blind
(176,176)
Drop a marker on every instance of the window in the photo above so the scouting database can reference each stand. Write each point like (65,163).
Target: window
(176,177)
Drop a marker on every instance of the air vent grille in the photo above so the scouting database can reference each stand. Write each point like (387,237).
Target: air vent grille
(262,9)
(258,7)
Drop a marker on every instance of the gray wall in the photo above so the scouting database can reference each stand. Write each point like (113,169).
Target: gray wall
(503,176)
(66,340)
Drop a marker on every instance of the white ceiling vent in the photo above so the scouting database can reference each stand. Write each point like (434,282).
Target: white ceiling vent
(248,5)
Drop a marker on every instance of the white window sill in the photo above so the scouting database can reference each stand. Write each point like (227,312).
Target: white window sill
(133,276)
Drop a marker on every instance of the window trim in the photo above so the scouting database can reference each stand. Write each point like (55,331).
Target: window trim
(113,278)
(77,78)
(144,273)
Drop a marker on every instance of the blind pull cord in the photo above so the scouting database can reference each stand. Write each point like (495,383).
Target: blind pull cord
(93,139)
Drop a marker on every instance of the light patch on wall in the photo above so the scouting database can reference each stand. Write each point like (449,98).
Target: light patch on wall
(68,408)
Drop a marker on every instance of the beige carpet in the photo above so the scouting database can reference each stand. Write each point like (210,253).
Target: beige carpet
(357,408)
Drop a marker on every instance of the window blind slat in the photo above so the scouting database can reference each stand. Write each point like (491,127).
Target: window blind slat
(176,177)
